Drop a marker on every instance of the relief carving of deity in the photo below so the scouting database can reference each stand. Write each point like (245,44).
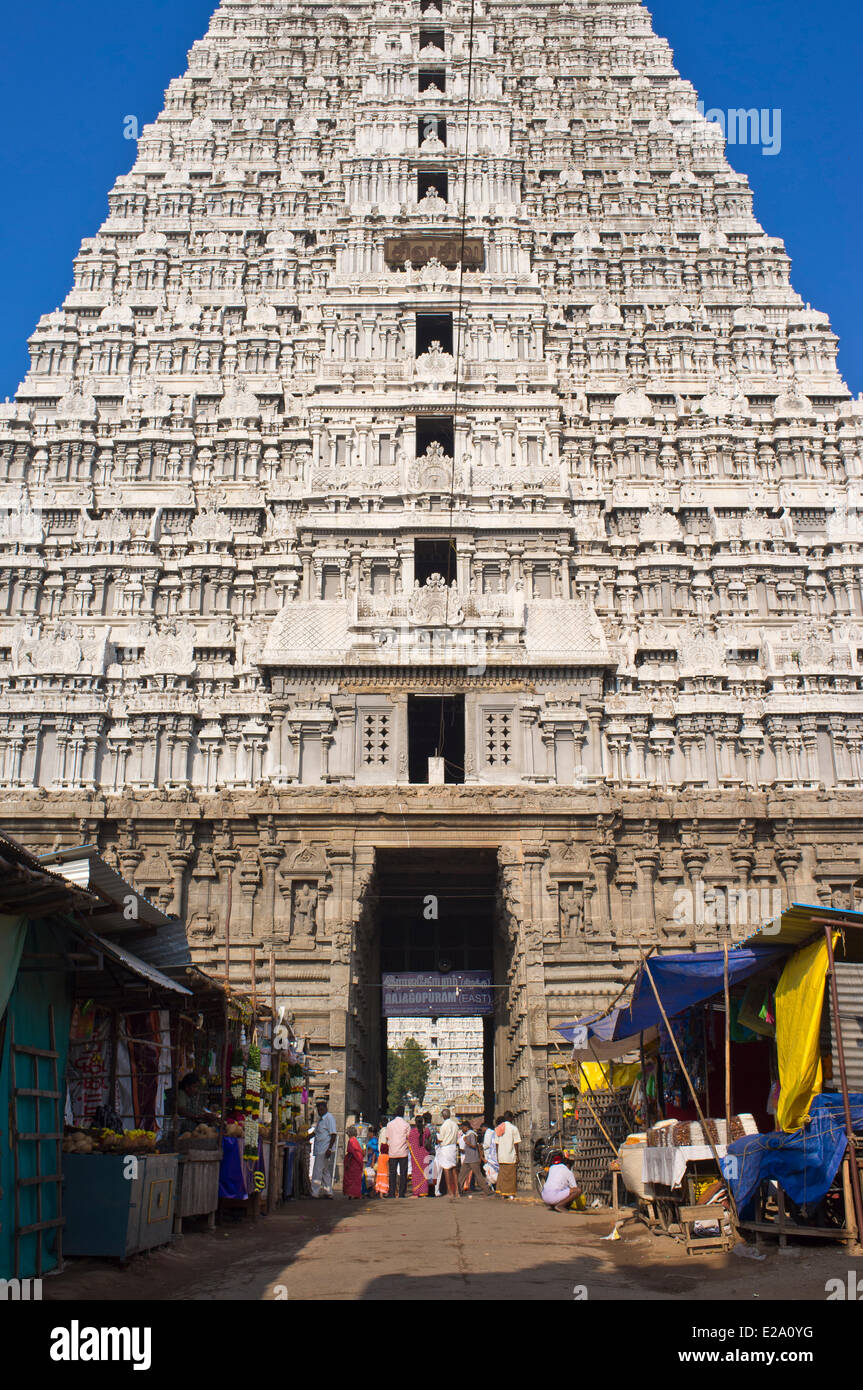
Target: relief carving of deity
(304,910)
(571,910)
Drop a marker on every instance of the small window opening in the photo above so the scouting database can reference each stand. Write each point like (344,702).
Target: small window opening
(433,37)
(432,77)
(436,179)
(431,127)
(433,328)
(426,5)
(435,730)
(435,429)
(434,557)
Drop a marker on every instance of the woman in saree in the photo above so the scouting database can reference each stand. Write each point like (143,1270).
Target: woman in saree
(419,1158)
(382,1181)
(352,1181)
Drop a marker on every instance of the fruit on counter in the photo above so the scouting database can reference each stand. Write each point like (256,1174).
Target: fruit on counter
(78,1143)
(129,1141)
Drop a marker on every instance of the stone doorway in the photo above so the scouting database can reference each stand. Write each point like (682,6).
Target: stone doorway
(432,912)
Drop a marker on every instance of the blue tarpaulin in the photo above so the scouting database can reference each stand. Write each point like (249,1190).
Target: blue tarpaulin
(803,1163)
(682,980)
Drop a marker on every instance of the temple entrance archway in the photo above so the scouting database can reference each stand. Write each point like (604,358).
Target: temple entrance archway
(432,935)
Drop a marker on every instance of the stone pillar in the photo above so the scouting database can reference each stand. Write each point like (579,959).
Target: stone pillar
(271,858)
(602,859)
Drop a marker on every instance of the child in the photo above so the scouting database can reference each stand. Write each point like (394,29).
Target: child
(382,1181)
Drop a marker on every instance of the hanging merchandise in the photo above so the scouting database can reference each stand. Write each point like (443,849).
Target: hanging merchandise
(740,1032)
(297,1083)
(253,1111)
(756,1010)
(570,1101)
(689,1034)
(638,1102)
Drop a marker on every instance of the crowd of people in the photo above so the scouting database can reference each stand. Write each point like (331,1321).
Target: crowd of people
(458,1158)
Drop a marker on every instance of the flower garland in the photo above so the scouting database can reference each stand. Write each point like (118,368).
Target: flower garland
(253,1111)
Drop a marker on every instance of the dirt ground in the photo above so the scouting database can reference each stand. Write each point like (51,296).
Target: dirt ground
(478,1249)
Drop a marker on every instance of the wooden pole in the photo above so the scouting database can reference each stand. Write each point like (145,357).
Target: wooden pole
(275,1077)
(706,1060)
(699,1111)
(228,895)
(224,1053)
(843,1081)
(727,989)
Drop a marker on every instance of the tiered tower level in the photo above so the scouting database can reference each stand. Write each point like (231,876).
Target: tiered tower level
(396,295)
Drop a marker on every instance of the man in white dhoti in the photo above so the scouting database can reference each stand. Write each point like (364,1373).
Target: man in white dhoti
(323,1152)
(447,1154)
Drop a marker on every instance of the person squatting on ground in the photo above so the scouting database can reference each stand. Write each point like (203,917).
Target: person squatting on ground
(323,1152)
(561,1189)
(398,1133)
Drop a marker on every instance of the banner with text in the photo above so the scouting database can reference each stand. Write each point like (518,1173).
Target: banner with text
(417,994)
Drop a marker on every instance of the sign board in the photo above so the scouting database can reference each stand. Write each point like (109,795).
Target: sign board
(424,247)
(419,994)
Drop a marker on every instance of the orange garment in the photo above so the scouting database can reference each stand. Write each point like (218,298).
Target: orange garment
(382,1179)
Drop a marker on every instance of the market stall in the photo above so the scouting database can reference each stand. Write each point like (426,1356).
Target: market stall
(119,1189)
(130,1069)
(265,1145)
(752,1023)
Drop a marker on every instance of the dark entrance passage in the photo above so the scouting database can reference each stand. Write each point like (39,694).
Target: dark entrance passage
(437,916)
(436,730)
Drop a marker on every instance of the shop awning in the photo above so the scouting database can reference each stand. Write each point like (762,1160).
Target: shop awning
(134,964)
(800,924)
(682,980)
(117,905)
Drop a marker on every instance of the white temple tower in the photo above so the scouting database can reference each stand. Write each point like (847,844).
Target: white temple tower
(431,391)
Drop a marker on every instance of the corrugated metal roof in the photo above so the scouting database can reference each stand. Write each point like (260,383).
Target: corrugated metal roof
(134,963)
(29,889)
(801,923)
(167,948)
(84,866)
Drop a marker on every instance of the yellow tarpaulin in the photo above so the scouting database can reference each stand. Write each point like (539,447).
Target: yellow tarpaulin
(596,1076)
(799,1000)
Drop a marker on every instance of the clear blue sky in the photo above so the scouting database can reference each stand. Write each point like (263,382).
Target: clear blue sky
(72,72)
